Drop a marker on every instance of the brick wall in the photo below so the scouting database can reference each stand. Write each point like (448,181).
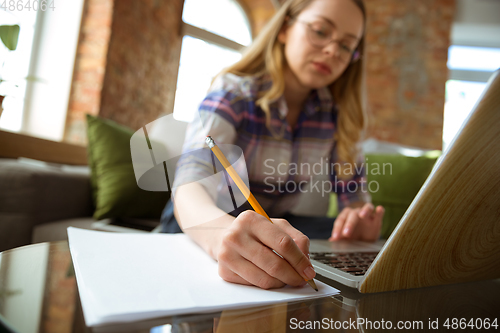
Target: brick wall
(407,51)
(143,60)
(90,64)
(126,65)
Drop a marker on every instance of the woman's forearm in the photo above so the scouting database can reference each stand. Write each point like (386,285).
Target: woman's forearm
(200,218)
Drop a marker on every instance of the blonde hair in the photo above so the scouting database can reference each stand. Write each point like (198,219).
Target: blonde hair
(266,55)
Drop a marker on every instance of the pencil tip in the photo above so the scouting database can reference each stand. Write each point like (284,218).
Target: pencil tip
(312,284)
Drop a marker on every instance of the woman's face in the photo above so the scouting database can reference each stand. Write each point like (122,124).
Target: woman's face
(316,66)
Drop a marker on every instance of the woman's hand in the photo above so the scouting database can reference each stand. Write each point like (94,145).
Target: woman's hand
(246,254)
(362,223)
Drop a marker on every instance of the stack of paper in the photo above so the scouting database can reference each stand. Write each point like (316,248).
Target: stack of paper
(130,277)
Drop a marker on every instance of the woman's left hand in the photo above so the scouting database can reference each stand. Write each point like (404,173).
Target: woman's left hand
(362,223)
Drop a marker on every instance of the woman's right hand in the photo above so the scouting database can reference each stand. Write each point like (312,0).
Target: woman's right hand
(245,253)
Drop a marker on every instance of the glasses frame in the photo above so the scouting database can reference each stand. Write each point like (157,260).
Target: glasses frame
(355,54)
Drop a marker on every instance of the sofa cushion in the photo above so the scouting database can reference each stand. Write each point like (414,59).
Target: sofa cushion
(393,180)
(397,187)
(32,193)
(114,186)
(57,231)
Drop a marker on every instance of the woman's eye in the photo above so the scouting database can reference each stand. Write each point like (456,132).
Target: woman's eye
(346,48)
(321,33)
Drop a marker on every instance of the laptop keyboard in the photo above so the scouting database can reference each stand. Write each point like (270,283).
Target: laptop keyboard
(355,263)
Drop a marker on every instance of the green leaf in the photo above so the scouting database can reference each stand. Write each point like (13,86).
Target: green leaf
(9,35)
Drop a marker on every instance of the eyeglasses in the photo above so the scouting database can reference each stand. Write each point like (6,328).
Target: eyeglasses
(319,36)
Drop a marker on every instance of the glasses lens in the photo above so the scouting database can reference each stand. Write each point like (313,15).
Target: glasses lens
(317,37)
(320,38)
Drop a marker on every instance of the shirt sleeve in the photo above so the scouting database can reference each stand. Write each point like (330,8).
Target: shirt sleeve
(353,187)
(218,118)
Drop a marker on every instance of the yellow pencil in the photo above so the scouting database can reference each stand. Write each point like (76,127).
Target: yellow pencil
(242,186)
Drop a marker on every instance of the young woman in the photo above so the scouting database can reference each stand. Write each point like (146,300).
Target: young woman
(294,99)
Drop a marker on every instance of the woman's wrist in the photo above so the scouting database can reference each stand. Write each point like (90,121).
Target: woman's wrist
(210,235)
(214,247)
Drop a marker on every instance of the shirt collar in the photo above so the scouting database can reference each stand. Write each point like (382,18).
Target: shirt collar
(318,100)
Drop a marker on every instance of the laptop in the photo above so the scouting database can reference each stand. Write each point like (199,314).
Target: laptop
(451,231)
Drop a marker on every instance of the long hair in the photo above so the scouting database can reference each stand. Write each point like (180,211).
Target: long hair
(266,55)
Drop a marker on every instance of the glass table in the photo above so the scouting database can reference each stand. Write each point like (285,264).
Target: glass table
(38,293)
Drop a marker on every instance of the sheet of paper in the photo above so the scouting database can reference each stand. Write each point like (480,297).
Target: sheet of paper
(128,277)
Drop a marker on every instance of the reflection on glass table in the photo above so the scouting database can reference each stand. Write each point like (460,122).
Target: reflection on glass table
(38,293)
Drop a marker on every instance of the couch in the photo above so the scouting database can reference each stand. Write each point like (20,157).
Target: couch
(35,193)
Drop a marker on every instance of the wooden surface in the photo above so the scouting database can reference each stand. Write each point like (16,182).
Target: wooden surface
(453,232)
(14,145)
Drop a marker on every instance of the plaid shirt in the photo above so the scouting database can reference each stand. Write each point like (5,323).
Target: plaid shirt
(280,168)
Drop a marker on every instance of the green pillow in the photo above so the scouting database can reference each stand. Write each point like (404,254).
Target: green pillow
(397,190)
(397,186)
(114,188)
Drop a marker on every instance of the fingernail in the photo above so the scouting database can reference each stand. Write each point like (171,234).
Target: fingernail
(347,231)
(335,235)
(309,272)
(308,256)
(363,214)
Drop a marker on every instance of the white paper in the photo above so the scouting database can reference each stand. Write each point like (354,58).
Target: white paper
(129,277)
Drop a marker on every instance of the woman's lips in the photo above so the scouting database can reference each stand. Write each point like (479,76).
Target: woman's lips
(322,68)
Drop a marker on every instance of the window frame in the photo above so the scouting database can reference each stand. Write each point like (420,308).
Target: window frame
(209,37)
(470,75)
(473,75)
(213,38)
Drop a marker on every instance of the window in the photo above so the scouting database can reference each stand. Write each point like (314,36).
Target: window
(14,67)
(470,69)
(214,33)
(485,59)
(47,49)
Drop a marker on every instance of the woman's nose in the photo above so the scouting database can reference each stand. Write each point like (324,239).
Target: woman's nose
(332,48)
